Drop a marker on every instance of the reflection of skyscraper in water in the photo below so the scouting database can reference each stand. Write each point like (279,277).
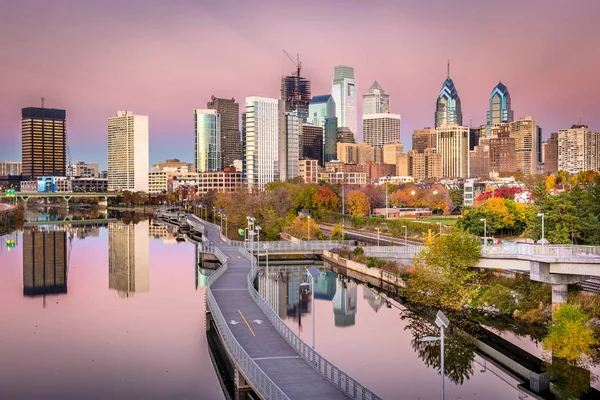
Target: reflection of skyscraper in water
(373,298)
(44,262)
(344,302)
(325,285)
(278,288)
(128,258)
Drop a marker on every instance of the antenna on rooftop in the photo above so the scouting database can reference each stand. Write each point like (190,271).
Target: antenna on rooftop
(448,68)
(580,118)
(42,102)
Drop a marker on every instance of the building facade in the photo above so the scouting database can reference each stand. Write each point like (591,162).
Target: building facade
(453,145)
(480,161)
(356,153)
(207,140)
(289,146)
(83,170)
(330,136)
(502,153)
(10,168)
(376,100)
(44,262)
(391,152)
(296,92)
(448,110)
(381,129)
(551,155)
(261,141)
(309,170)
(128,152)
(343,91)
(345,135)
(43,142)
(578,149)
(128,258)
(320,109)
(231,144)
(500,111)
(312,142)
(526,133)
(424,139)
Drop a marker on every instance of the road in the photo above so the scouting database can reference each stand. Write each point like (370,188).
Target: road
(371,237)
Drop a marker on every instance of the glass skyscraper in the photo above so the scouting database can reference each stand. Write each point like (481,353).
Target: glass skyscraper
(207,154)
(448,110)
(343,91)
(500,111)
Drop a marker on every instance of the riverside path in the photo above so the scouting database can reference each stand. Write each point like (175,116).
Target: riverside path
(274,362)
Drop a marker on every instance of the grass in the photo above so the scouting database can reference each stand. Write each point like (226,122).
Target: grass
(448,221)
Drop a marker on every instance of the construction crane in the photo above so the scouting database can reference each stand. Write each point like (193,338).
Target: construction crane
(298,66)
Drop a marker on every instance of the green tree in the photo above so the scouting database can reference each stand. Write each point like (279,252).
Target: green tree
(568,337)
(443,275)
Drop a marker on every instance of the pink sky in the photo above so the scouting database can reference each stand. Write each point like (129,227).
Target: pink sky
(163,59)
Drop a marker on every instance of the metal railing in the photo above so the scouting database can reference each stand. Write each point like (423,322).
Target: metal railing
(304,245)
(333,374)
(216,251)
(565,252)
(409,249)
(255,376)
(195,223)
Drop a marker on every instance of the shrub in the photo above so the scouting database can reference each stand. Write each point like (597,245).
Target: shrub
(500,297)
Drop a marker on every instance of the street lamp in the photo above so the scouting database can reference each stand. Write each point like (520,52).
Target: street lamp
(440,224)
(484,230)
(221,215)
(266,247)
(405,235)
(387,183)
(258,229)
(442,322)
(214,212)
(377,236)
(543,240)
(313,272)
(342,233)
(308,228)
(226,215)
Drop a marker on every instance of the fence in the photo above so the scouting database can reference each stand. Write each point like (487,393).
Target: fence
(332,373)
(216,251)
(255,376)
(568,252)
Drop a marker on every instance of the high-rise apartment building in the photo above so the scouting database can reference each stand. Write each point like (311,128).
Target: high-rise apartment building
(424,139)
(551,155)
(296,92)
(288,146)
(128,258)
(474,135)
(231,144)
(82,170)
(44,262)
(453,145)
(330,136)
(207,140)
(381,129)
(345,135)
(479,158)
(420,166)
(312,142)
(376,100)
(448,109)
(502,155)
(391,152)
(261,141)
(43,142)
(500,111)
(128,152)
(10,168)
(578,149)
(526,133)
(343,91)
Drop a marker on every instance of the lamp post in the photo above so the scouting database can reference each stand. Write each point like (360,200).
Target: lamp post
(226,215)
(313,272)
(440,224)
(387,182)
(258,229)
(308,228)
(221,215)
(267,277)
(542,215)
(405,235)
(214,212)
(342,233)
(442,322)
(377,237)
(484,230)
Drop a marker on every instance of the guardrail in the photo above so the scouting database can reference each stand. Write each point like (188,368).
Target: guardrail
(304,245)
(216,251)
(333,374)
(567,252)
(255,376)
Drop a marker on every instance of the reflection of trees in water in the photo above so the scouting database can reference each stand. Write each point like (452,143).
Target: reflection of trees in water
(459,349)
(570,379)
(507,324)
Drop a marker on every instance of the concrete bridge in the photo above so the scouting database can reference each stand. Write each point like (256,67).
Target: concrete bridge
(64,196)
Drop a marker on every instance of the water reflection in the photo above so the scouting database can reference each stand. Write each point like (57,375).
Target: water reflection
(344,302)
(44,262)
(128,258)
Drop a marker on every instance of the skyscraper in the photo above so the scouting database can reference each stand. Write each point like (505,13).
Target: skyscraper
(453,145)
(261,141)
(295,91)
(343,91)
(578,149)
(381,129)
(312,142)
(43,142)
(288,146)
(231,144)
(376,100)
(207,140)
(330,135)
(551,155)
(423,139)
(128,258)
(321,108)
(448,109)
(44,262)
(128,152)
(525,131)
(500,111)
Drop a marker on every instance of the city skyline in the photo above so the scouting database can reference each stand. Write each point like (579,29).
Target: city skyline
(174,81)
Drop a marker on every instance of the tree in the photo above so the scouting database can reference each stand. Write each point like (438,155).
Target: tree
(357,203)
(326,200)
(568,337)
(550,182)
(336,232)
(300,225)
(443,275)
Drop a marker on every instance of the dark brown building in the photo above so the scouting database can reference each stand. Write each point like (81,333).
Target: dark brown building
(43,142)
(345,135)
(312,142)
(424,139)
(231,143)
(503,155)
(44,262)
(479,158)
(377,170)
(551,155)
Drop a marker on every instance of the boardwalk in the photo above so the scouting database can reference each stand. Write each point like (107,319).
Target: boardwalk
(261,341)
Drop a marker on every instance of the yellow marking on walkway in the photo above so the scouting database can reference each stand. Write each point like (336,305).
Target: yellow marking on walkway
(247,324)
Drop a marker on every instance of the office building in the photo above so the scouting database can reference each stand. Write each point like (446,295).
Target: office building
(342,177)
(502,152)
(83,170)
(207,140)
(10,168)
(309,170)
(391,152)
(343,91)
(448,109)
(43,142)
(578,149)
(551,155)
(420,166)
(345,135)
(330,136)
(526,133)
(128,152)
(500,111)
(44,262)
(296,92)
(128,258)
(261,141)
(174,164)
(381,129)
(86,185)
(320,109)
(376,100)
(312,142)
(474,135)
(289,145)
(231,144)
(453,145)
(424,139)
(480,161)
(356,153)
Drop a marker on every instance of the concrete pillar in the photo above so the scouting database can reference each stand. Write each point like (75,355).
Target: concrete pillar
(241,385)
(559,295)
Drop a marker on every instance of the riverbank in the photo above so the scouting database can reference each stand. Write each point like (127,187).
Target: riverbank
(142,209)
(10,218)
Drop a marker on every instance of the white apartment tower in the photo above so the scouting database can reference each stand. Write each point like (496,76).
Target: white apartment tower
(128,152)
(578,149)
(343,91)
(128,258)
(289,144)
(262,140)
(525,132)
(381,129)
(207,143)
(453,145)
